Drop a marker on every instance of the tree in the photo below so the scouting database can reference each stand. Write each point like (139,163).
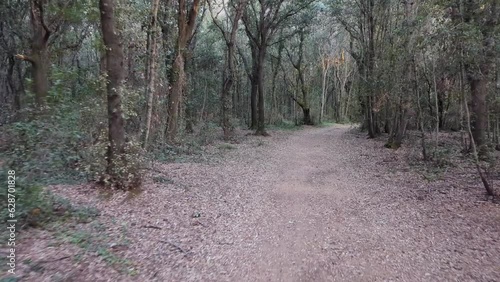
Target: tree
(186,22)
(152,65)
(326,63)
(483,16)
(261,23)
(299,67)
(362,20)
(114,86)
(39,57)
(12,29)
(229,34)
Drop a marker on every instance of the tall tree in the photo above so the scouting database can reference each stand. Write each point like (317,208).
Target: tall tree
(261,21)
(114,86)
(483,16)
(39,57)
(229,34)
(300,66)
(361,18)
(186,22)
(152,65)
(326,63)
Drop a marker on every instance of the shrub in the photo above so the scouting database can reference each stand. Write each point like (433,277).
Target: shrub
(31,203)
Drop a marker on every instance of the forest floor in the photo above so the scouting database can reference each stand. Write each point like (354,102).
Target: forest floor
(318,204)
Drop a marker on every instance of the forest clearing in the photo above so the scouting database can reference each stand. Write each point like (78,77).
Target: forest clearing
(250,140)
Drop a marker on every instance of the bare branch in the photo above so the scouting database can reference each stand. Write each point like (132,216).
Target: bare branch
(24,58)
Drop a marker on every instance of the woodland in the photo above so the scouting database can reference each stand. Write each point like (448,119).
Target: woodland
(104,92)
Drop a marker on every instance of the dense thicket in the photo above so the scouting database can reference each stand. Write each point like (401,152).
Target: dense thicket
(81,92)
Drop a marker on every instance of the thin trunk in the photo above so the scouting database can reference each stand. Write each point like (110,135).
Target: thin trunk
(436,100)
(150,89)
(228,75)
(326,67)
(420,113)
(489,189)
(261,127)
(254,88)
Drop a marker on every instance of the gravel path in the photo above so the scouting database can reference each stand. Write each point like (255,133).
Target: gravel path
(314,205)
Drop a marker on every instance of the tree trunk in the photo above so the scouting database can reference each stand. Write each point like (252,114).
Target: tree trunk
(254,80)
(228,75)
(150,89)
(39,57)
(305,102)
(40,66)
(478,80)
(261,127)
(178,79)
(115,74)
(299,66)
(226,92)
(326,67)
(307,116)
(479,92)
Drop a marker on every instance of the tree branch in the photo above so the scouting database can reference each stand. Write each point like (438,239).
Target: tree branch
(25,58)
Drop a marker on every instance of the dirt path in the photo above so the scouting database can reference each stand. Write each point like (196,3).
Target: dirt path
(315,205)
(332,215)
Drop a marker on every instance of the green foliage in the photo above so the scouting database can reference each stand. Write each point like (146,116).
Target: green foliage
(285,125)
(46,150)
(31,204)
(9,279)
(61,81)
(34,206)
(226,146)
(328,124)
(126,171)
(94,239)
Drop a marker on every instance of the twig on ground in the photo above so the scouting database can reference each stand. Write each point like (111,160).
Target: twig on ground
(151,226)
(173,245)
(54,260)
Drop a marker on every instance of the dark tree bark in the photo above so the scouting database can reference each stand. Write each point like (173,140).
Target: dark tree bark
(115,74)
(261,127)
(39,57)
(254,91)
(260,26)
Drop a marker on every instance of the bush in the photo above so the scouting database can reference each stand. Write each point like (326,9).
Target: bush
(31,202)
(43,151)
(126,172)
